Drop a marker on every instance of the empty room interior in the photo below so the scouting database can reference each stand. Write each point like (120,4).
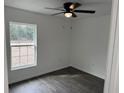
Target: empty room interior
(57,46)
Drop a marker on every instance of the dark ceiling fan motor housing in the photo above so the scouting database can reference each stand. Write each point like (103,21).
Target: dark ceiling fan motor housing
(67,6)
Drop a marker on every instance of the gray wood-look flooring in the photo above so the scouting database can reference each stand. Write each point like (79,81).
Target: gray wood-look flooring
(68,80)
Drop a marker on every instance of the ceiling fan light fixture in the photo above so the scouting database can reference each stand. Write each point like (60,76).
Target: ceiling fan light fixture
(68,14)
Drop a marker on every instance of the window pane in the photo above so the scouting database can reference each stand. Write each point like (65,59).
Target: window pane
(15,51)
(15,61)
(23,60)
(30,50)
(22,32)
(23,51)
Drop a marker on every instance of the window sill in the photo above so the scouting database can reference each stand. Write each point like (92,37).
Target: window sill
(23,67)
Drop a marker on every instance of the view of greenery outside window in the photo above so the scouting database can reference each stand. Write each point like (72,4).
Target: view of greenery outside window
(23,43)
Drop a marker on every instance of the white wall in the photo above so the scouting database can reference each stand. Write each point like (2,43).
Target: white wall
(53,42)
(90,43)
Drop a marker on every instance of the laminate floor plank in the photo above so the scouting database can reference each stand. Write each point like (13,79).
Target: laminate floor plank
(68,80)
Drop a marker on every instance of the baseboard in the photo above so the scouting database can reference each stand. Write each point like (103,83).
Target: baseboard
(69,69)
(42,75)
(83,70)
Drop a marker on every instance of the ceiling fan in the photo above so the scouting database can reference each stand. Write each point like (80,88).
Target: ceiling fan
(69,10)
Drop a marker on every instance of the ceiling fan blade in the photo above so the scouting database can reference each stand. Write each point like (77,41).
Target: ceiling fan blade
(85,11)
(57,13)
(55,9)
(74,5)
(74,15)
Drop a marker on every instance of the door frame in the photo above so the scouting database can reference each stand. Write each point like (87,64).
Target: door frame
(111,81)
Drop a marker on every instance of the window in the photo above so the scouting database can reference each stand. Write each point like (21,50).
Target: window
(23,43)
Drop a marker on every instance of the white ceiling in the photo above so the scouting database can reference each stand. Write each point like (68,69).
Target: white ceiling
(102,7)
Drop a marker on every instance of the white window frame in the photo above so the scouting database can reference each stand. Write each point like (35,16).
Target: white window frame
(35,49)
